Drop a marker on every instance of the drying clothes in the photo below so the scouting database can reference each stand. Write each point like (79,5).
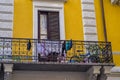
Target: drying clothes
(7,54)
(29,45)
(63,48)
(41,49)
(67,45)
(7,51)
(1,51)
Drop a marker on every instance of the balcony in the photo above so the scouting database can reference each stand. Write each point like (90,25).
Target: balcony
(50,55)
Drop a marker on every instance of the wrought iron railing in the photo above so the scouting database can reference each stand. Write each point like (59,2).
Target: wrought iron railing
(63,51)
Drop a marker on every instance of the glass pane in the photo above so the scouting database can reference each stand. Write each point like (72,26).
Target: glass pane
(44,37)
(43,24)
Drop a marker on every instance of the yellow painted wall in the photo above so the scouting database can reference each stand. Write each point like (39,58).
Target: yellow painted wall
(73,20)
(117,59)
(99,20)
(23,19)
(112,16)
(23,22)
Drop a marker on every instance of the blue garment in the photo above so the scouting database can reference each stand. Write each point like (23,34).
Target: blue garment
(68,45)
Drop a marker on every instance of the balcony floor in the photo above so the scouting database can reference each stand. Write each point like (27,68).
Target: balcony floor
(54,66)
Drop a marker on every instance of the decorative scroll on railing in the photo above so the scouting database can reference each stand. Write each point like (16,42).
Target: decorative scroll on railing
(63,51)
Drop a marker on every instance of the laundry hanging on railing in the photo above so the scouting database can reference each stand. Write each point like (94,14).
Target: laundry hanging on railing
(41,49)
(67,45)
(47,47)
(29,45)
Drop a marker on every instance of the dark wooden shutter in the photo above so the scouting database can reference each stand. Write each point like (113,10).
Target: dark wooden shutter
(53,26)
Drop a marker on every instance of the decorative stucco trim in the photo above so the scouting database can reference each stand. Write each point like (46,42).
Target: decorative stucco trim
(115,70)
(87,3)
(5,12)
(6,33)
(6,19)
(6,25)
(116,53)
(7,1)
(6,4)
(89,20)
(87,10)
(115,2)
(52,0)
(89,25)
(5,29)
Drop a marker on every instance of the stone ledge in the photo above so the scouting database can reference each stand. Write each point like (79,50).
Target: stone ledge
(115,70)
(8,67)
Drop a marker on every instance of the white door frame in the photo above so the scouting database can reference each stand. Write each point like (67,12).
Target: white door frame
(48,6)
(39,5)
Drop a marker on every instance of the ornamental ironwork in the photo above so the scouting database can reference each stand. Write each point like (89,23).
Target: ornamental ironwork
(62,51)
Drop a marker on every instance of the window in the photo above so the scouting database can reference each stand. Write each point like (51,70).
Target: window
(48,25)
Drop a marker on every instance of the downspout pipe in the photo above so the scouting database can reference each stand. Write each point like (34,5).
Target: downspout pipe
(103,20)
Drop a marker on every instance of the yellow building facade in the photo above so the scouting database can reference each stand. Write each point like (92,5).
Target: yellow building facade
(23,22)
(59,39)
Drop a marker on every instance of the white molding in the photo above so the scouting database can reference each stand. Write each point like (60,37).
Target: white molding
(114,78)
(6,8)
(52,0)
(90,30)
(7,1)
(88,14)
(116,52)
(87,6)
(89,20)
(117,2)
(6,33)
(6,25)
(8,67)
(90,37)
(6,18)
(87,1)
(48,6)
(115,70)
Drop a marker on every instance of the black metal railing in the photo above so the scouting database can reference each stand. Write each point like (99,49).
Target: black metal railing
(63,51)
